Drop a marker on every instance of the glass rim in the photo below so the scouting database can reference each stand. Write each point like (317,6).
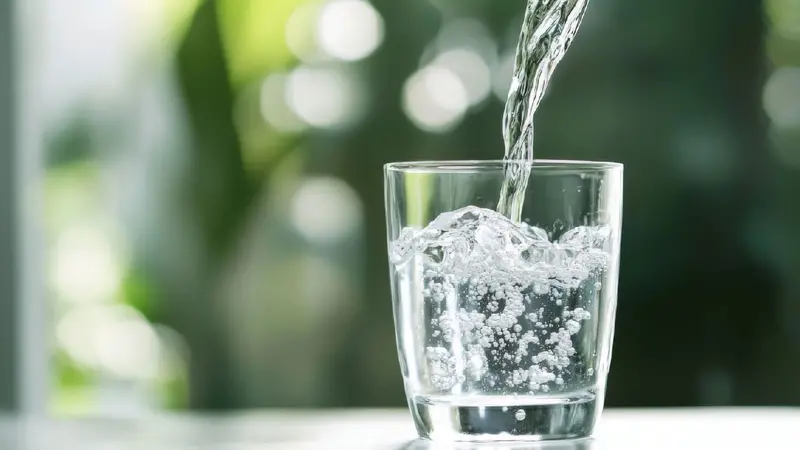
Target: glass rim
(462,166)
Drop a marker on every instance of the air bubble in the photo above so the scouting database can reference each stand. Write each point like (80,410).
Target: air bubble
(540,289)
(572,326)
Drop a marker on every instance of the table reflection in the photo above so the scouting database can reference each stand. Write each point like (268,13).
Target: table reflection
(578,444)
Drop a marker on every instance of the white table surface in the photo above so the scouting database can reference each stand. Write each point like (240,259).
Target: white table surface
(684,429)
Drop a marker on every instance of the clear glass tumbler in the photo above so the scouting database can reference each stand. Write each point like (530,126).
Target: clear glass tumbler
(504,328)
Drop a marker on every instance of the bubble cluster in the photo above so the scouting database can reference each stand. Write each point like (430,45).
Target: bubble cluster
(507,305)
(443,368)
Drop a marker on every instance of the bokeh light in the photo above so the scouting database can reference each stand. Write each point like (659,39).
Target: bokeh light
(324,98)
(126,345)
(114,339)
(784,145)
(301,32)
(325,210)
(471,69)
(349,30)
(86,265)
(782,97)
(468,33)
(785,17)
(274,107)
(503,73)
(435,99)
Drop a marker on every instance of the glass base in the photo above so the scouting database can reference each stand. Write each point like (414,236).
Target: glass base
(505,418)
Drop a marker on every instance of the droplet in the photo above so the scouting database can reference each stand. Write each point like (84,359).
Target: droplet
(519,415)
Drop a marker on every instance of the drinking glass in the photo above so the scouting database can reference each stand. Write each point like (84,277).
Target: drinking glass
(504,328)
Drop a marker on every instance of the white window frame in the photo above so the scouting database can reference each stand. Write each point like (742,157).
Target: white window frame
(24,351)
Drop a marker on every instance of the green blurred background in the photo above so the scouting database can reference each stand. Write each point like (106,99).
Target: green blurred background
(214,205)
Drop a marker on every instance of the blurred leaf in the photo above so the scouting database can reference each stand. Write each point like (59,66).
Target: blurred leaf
(72,402)
(217,189)
(253,36)
(70,375)
(785,16)
(175,392)
(179,15)
(216,197)
(71,143)
(783,51)
(418,187)
(72,384)
(71,194)
(139,293)
(261,144)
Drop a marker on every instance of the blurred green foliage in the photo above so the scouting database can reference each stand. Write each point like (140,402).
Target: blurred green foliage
(672,89)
